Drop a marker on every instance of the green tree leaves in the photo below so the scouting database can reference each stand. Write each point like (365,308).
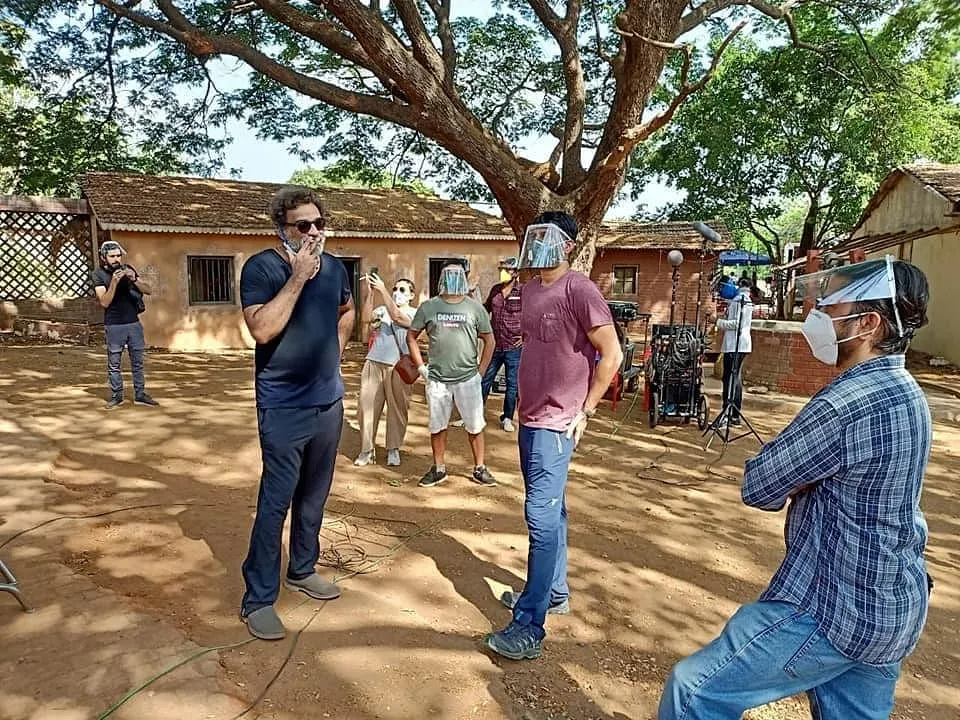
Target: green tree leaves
(779,125)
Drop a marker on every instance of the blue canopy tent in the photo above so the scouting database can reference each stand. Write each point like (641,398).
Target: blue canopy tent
(743,257)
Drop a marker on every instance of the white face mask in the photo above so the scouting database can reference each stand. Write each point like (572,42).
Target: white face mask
(400,297)
(821,335)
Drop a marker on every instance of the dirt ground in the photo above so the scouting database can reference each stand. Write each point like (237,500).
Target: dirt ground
(662,551)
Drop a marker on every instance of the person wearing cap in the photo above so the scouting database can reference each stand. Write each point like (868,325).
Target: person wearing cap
(298,305)
(120,290)
(456,324)
(849,600)
(503,304)
(565,323)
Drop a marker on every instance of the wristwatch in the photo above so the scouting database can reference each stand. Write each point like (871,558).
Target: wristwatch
(589,413)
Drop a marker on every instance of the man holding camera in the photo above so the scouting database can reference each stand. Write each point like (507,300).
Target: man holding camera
(298,306)
(849,600)
(120,290)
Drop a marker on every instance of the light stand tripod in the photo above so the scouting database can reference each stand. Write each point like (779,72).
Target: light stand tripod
(720,427)
(9,584)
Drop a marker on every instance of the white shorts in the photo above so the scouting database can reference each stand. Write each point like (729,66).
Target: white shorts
(468,396)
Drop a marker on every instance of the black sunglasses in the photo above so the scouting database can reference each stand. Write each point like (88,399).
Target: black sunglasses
(303,226)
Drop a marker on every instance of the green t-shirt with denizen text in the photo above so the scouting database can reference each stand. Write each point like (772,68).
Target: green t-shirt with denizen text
(454,329)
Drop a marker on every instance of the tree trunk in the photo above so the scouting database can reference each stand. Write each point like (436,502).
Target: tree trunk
(808,239)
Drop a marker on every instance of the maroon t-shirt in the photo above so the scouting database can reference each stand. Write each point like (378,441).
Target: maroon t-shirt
(505,315)
(558,359)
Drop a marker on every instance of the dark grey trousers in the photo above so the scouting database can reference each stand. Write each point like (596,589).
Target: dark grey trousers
(130,336)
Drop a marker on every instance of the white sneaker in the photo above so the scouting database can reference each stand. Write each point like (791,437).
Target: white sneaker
(507,425)
(457,423)
(365,458)
(393,457)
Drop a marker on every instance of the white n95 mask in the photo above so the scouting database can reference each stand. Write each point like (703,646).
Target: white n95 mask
(821,335)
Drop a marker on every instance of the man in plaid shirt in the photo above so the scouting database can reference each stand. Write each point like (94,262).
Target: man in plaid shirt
(850,598)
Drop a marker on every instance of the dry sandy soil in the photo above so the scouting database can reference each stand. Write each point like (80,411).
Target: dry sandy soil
(661,553)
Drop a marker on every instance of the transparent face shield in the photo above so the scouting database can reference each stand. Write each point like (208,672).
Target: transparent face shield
(453,281)
(544,247)
(859,282)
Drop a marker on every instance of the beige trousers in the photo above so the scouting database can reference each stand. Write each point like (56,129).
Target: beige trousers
(379,384)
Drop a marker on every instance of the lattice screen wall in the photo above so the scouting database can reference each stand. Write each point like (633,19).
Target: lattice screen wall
(44,255)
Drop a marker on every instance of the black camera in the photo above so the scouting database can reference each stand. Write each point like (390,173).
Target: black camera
(623,310)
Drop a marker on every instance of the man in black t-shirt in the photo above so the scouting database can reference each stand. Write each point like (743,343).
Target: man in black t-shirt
(299,308)
(120,291)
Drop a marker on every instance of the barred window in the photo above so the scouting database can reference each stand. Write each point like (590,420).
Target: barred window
(625,280)
(210,280)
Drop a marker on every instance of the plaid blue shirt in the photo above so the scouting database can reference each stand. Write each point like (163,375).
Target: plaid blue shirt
(853,462)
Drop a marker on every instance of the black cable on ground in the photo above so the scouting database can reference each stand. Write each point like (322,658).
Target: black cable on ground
(283,666)
(100,514)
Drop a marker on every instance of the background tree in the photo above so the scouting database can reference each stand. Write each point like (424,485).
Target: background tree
(580,72)
(351,174)
(779,128)
(52,132)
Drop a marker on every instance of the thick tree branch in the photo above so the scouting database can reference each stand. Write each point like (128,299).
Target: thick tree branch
(564,31)
(202,45)
(709,8)
(323,32)
(610,164)
(598,36)
(448,48)
(547,16)
(423,50)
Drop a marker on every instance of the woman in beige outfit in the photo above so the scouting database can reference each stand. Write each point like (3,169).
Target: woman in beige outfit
(379,384)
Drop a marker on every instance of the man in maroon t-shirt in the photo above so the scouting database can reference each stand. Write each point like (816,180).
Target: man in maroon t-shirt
(503,303)
(565,322)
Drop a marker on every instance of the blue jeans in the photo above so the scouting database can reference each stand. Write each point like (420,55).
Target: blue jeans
(299,448)
(511,360)
(769,651)
(544,461)
(129,335)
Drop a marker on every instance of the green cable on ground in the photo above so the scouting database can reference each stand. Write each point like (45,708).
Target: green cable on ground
(203,651)
(143,686)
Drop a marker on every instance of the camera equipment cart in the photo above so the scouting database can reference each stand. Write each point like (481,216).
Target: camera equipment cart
(675,375)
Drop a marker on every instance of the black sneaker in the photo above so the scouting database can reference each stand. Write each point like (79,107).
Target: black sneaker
(433,477)
(145,400)
(115,401)
(517,642)
(482,476)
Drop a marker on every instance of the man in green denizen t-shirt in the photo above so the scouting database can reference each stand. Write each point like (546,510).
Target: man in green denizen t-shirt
(453,323)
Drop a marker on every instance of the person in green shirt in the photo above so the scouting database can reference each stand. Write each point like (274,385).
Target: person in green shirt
(453,323)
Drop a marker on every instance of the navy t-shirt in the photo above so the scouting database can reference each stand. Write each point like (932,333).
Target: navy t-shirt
(301,366)
(123,308)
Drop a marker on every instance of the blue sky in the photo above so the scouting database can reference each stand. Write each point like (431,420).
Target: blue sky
(268,161)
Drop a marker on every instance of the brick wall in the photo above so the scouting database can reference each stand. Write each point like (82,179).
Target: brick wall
(781,360)
(654,282)
(84,310)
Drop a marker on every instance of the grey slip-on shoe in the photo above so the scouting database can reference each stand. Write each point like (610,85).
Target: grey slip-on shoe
(264,623)
(314,586)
